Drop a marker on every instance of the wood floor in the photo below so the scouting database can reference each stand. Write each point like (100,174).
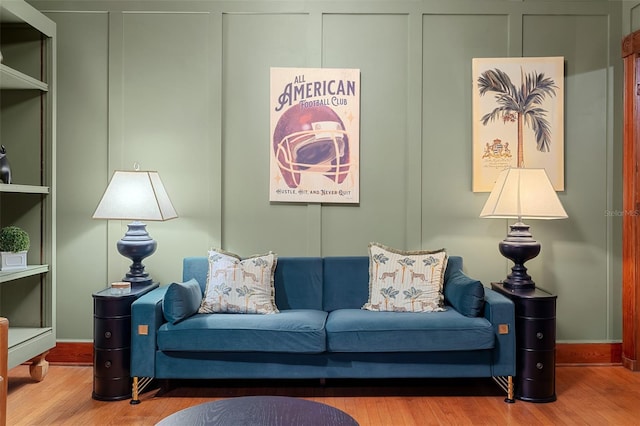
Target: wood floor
(586,396)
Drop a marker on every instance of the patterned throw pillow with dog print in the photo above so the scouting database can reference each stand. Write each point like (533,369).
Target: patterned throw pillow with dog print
(405,281)
(240,286)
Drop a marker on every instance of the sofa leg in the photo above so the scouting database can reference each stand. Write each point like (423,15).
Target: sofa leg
(506,383)
(509,397)
(134,392)
(138,386)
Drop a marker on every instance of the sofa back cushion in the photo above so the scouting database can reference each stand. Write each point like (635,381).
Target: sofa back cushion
(346,281)
(454,264)
(465,294)
(196,268)
(298,283)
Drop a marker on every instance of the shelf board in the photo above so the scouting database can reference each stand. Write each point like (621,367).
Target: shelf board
(20,12)
(19,335)
(25,189)
(26,343)
(14,79)
(6,276)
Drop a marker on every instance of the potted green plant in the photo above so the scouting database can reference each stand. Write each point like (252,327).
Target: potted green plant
(14,244)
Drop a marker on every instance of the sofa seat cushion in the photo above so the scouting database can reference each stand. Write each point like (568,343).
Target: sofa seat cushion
(292,331)
(357,330)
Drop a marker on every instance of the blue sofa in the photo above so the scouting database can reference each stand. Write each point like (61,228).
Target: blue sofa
(322,332)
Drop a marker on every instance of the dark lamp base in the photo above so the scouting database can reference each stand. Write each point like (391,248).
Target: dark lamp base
(519,246)
(137,245)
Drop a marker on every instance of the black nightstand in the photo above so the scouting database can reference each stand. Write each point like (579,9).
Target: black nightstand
(535,343)
(112,342)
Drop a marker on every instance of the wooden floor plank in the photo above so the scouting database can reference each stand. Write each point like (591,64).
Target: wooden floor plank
(587,395)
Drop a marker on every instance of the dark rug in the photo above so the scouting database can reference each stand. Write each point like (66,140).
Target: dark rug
(260,411)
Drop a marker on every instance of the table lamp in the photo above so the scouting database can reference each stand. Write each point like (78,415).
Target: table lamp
(522,194)
(137,196)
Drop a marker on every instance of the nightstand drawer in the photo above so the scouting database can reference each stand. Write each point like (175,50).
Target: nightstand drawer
(536,390)
(536,334)
(109,307)
(112,333)
(536,308)
(112,389)
(536,364)
(111,363)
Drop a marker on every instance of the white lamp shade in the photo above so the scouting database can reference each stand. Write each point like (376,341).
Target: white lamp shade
(523,193)
(135,195)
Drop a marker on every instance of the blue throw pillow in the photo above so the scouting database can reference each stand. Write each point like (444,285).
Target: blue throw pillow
(464,294)
(181,300)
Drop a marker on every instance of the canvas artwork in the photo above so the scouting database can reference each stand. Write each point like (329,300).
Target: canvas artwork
(315,135)
(518,118)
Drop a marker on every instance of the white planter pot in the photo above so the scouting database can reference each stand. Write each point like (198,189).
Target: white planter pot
(13,261)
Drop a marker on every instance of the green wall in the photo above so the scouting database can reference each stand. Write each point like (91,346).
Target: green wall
(182,87)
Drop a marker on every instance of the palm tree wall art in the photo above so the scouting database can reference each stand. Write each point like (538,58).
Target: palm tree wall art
(517,100)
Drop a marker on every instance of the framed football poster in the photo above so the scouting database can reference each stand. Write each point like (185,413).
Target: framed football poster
(315,135)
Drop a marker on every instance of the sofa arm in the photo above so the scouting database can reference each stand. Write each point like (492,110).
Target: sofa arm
(146,319)
(501,313)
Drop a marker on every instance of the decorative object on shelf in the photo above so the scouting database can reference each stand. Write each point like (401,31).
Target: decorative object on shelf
(5,169)
(14,244)
(522,194)
(136,195)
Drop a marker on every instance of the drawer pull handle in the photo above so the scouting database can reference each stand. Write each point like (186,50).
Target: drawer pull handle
(539,335)
(107,364)
(539,366)
(107,334)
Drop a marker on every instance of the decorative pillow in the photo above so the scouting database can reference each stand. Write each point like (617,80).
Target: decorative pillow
(465,294)
(405,281)
(181,301)
(240,286)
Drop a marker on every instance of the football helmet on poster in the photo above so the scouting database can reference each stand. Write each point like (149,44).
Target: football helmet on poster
(311,140)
